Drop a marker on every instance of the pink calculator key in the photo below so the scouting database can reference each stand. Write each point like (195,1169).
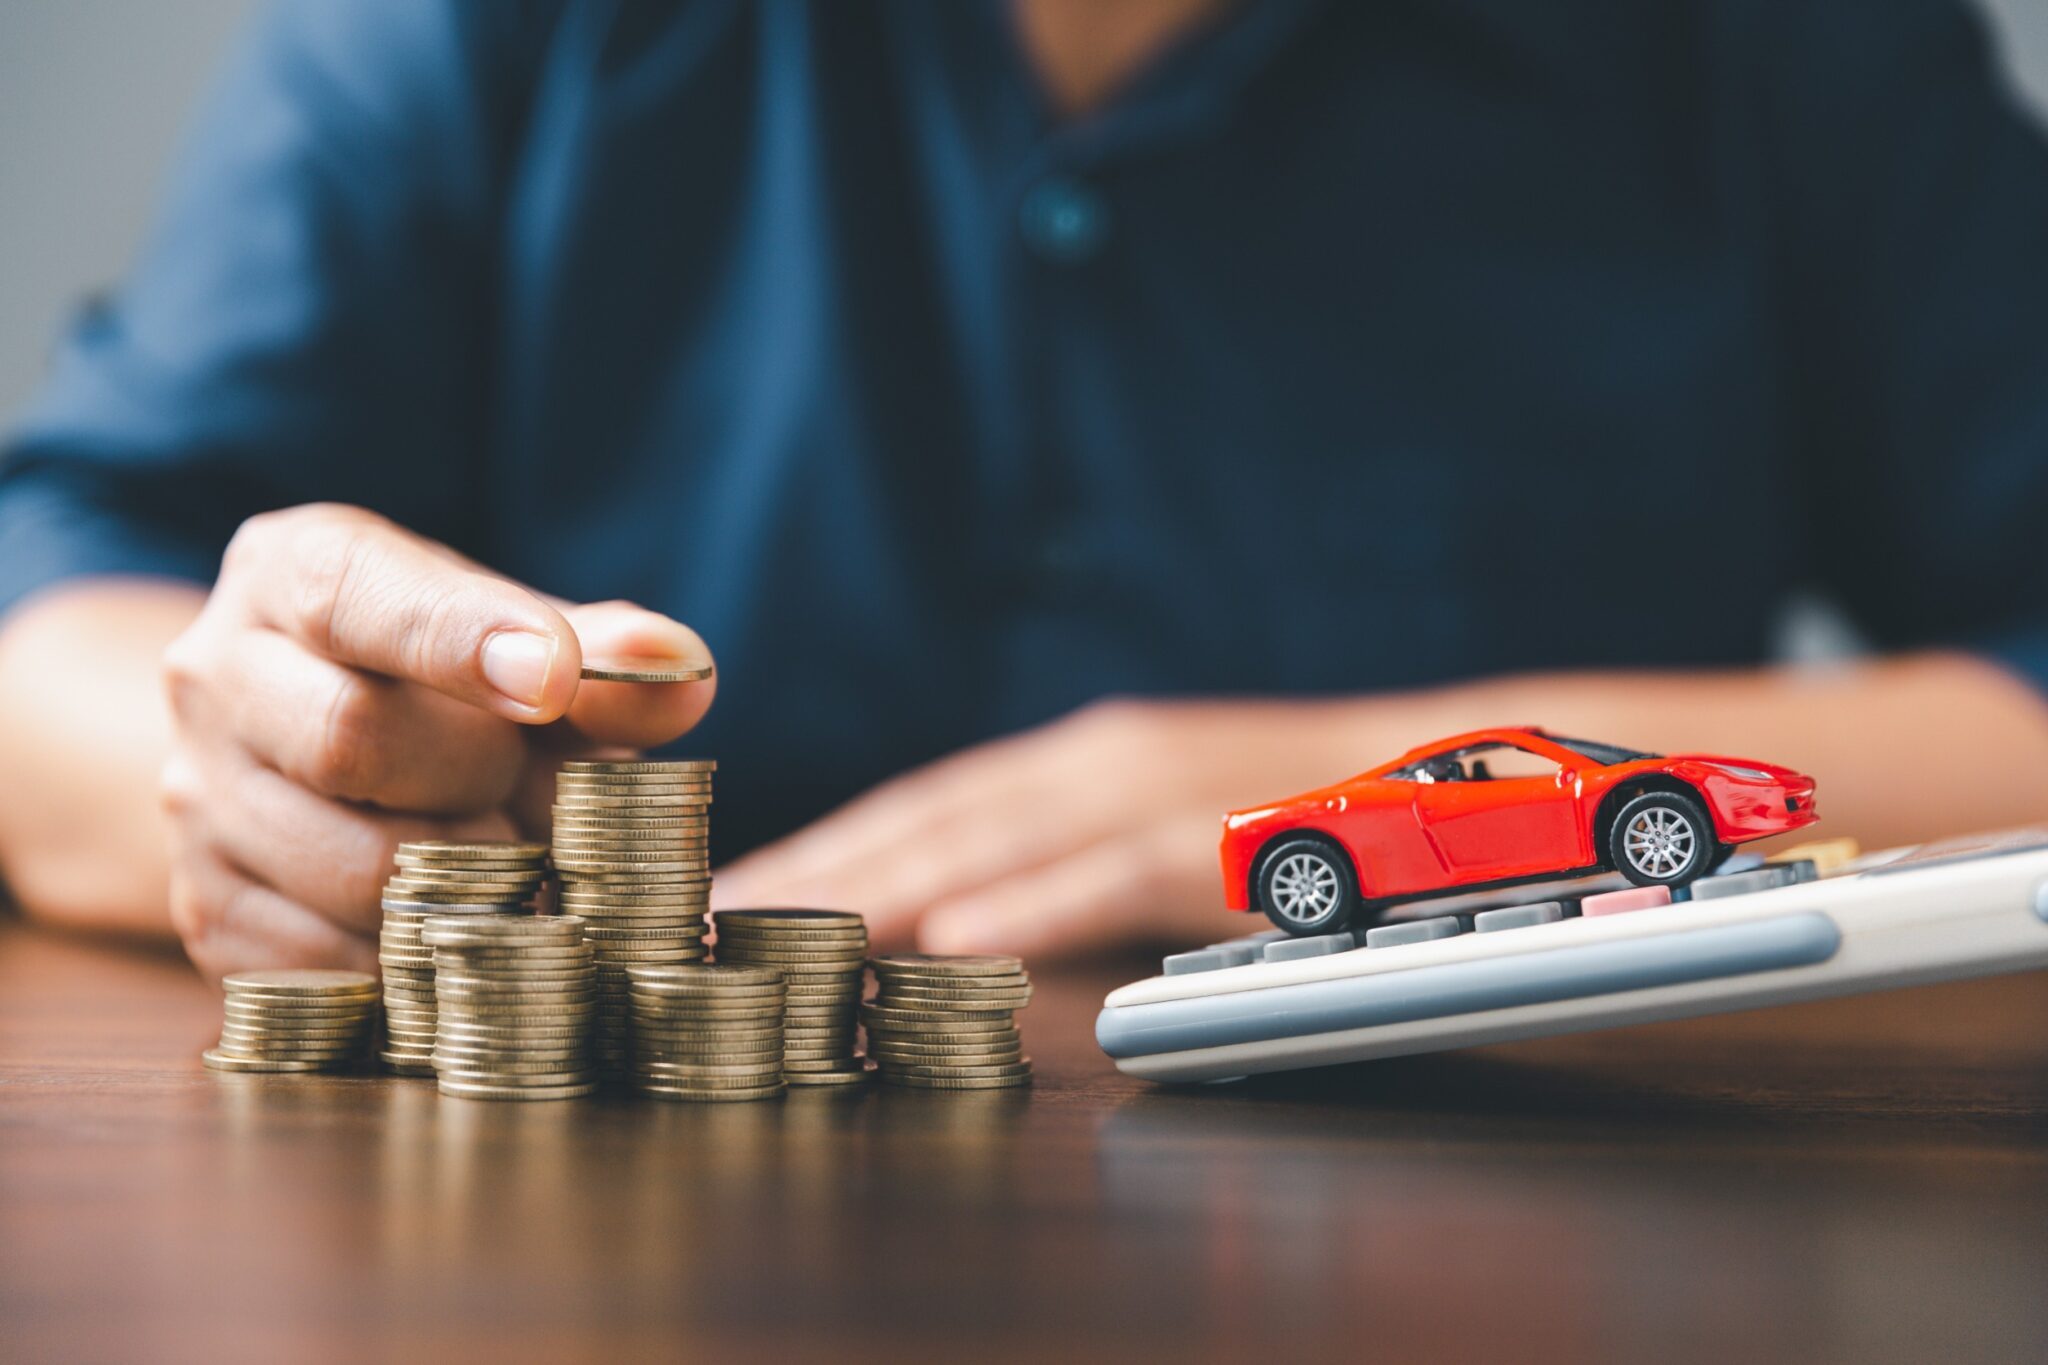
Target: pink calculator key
(1621,902)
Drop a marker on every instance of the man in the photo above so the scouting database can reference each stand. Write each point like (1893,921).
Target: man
(1355,374)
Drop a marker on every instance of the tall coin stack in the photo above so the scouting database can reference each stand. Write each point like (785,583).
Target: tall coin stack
(948,1023)
(822,955)
(295,1019)
(438,878)
(632,848)
(707,1033)
(516,994)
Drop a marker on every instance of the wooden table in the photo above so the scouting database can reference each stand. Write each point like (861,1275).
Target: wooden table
(1861,1181)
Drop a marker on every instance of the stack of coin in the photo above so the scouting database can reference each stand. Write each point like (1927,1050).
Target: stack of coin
(295,1019)
(822,955)
(631,845)
(707,1033)
(435,878)
(947,1023)
(515,994)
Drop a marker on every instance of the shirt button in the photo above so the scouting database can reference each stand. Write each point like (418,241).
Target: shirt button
(1064,221)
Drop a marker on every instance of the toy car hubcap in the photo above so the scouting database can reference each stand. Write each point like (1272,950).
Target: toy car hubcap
(1304,888)
(1658,842)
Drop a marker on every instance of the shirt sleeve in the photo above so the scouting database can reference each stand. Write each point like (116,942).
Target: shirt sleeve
(307,321)
(1914,197)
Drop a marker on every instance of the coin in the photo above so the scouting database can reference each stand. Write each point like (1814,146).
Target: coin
(822,956)
(223,1061)
(645,671)
(939,1022)
(889,1014)
(302,981)
(443,851)
(817,1079)
(932,964)
(707,1094)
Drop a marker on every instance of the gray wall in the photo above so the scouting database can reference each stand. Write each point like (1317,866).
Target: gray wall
(93,95)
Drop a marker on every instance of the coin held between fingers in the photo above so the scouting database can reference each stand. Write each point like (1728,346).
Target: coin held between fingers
(645,671)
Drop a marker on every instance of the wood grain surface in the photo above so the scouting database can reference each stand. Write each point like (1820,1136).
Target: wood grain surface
(1860,1180)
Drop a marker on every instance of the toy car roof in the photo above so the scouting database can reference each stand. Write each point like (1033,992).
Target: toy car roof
(1496,734)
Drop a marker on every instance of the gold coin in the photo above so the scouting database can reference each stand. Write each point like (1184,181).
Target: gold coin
(318,981)
(310,1010)
(940,1052)
(645,671)
(629,803)
(432,895)
(935,964)
(799,1065)
(222,1061)
(630,784)
(955,985)
(794,918)
(562,931)
(442,850)
(887,1015)
(962,1069)
(724,980)
(640,765)
(976,1029)
(701,1095)
(814,1079)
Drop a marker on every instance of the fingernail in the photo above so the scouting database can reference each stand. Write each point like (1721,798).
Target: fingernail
(517,664)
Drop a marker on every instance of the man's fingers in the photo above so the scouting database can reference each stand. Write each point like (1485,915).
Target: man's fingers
(353,587)
(327,856)
(230,923)
(1131,889)
(994,809)
(637,715)
(359,736)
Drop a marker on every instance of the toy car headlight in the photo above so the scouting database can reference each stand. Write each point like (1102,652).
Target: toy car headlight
(1737,770)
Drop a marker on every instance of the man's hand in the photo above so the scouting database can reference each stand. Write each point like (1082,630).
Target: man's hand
(1098,829)
(349,686)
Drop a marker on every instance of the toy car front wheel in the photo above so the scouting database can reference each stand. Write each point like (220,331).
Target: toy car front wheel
(1306,886)
(1662,838)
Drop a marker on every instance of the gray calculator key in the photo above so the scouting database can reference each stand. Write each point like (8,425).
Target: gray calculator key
(1415,931)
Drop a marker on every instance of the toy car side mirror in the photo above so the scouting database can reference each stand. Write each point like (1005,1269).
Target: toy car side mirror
(1567,776)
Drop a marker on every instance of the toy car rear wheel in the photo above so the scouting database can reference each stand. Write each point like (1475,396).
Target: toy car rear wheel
(1662,838)
(1307,886)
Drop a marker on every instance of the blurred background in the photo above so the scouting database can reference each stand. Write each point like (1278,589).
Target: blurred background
(95,94)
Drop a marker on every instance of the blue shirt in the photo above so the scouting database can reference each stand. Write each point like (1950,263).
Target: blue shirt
(1354,346)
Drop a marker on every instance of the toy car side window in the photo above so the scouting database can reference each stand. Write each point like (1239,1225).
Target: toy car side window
(1505,762)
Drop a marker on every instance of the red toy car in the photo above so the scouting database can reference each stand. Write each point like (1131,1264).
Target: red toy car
(1494,807)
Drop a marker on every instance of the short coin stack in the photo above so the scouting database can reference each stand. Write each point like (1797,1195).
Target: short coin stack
(515,994)
(707,1033)
(435,878)
(946,1023)
(822,955)
(632,848)
(295,1019)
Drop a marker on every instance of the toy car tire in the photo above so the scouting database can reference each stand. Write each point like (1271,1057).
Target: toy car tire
(1662,838)
(1307,886)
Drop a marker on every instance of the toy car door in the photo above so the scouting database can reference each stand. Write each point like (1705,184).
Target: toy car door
(1495,810)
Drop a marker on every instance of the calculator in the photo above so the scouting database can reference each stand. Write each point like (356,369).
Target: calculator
(1588,956)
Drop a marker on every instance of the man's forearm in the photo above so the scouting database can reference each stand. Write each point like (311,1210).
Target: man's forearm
(1905,749)
(83,734)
